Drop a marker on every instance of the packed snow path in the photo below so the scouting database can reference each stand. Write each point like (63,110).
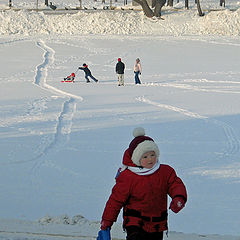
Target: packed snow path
(64,121)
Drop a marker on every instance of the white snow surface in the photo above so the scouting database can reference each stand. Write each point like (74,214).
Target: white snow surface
(62,143)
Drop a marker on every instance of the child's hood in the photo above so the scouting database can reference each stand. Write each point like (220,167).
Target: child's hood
(127,161)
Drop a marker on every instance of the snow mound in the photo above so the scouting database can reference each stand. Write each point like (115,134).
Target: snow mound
(179,23)
(222,23)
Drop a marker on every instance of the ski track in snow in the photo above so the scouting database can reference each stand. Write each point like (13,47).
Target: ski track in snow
(188,85)
(14,40)
(233,144)
(64,121)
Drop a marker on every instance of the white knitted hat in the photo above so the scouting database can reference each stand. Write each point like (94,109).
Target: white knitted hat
(140,145)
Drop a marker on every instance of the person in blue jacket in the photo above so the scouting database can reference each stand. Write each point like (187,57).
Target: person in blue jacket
(87,73)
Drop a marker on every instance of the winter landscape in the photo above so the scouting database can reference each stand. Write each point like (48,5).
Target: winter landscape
(62,143)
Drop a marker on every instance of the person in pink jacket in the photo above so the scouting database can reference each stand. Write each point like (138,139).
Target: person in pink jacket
(137,71)
(142,189)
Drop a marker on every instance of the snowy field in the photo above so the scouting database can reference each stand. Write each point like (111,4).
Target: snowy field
(62,143)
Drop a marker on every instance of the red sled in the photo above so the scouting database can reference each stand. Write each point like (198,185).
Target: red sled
(69,78)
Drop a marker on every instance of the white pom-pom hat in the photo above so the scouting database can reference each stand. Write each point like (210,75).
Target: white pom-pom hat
(140,145)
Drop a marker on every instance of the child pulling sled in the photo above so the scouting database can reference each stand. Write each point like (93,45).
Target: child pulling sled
(87,73)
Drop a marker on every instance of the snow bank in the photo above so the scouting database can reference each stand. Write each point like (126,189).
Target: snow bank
(177,23)
(83,230)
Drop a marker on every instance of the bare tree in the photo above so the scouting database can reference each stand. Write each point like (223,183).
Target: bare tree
(200,13)
(80,3)
(170,3)
(148,11)
(158,4)
(158,7)
(222,3)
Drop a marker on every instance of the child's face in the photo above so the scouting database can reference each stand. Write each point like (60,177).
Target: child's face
(148,159)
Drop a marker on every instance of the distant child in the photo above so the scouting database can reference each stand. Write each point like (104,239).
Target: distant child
(87,73)
(120,66)
(137,71)
(70,77)
(142,188)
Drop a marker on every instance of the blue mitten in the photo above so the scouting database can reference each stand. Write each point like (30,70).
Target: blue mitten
(104,234)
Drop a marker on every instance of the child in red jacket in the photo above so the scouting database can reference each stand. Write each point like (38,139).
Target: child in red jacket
(70,77)
(142,190)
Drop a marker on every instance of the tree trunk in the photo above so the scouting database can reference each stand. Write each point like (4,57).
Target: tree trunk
(170,3)
(80,4)
(186,4)
(153,3)
(146,9)
(158,7)
(222,3)
(200,13)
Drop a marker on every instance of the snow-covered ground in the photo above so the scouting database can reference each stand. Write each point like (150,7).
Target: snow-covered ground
(62,143)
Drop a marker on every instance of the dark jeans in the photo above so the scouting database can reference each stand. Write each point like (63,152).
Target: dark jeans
(137,80)
(137,233)
(92,77)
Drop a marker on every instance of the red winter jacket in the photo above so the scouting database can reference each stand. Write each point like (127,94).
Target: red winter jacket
(143,198)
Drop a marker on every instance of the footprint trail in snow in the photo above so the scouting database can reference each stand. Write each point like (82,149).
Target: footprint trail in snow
(64,121)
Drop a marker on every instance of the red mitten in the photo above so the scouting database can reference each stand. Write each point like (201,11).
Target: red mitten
(177,204)
(105,224)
